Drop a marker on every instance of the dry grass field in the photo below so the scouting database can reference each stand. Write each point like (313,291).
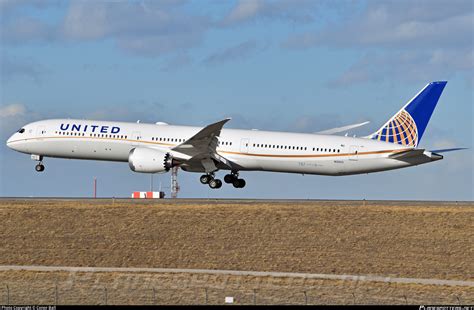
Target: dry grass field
(415,240)
(27,287)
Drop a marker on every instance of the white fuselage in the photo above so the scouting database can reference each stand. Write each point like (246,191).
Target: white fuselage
(248,149)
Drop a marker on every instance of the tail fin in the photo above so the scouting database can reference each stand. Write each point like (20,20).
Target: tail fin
(408,125)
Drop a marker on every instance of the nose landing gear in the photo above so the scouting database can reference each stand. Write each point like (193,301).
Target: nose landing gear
(39,167)
(39,158)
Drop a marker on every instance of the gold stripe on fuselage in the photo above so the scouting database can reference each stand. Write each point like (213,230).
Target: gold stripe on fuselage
(225,152)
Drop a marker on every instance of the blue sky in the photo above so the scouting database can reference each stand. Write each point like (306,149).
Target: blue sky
(276,65)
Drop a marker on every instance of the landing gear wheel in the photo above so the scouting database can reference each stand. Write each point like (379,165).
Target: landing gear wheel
(215,183)
(239,183)
(205,178)
(39,167)
(229,178)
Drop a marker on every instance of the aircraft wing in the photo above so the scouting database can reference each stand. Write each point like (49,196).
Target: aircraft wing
(200,149)
(341,129)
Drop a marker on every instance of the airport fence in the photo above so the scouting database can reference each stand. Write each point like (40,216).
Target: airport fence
(14,294)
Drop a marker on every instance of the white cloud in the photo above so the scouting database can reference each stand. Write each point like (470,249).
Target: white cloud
(25,29)
(15,109)
(177,62)
(142,28)
(150,28)
(301,11)
(13,68)
(402,40)
(232,53)
(408,66)
(85,21)
(401,24)
(245,9)
(12,117)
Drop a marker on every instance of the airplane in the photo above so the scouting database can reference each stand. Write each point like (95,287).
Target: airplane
(156,148)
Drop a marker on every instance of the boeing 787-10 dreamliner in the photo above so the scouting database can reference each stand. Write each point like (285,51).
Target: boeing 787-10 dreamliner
(155,148)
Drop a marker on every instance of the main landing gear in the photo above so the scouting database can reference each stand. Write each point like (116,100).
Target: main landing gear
(210,180)
(232,178)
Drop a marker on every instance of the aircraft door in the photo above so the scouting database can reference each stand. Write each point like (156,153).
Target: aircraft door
(40,131)
(244,145)
(354,153)
(136,137)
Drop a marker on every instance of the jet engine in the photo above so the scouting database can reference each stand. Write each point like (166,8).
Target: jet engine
(149,160)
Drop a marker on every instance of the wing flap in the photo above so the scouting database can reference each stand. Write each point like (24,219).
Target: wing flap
(204,142)
(201,148)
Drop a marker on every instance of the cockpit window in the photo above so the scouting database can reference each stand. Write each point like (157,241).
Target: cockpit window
(22,130)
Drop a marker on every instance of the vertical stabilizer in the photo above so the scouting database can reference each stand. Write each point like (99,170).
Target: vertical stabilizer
(408,125)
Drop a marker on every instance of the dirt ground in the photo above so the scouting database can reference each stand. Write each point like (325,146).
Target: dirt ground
(415,240)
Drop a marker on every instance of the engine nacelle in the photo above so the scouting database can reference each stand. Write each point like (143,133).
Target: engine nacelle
(148,160)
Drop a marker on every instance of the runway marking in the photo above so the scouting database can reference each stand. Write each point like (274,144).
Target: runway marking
(366,278)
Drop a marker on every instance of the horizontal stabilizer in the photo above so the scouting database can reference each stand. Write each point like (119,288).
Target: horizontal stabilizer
(416,156)
(449,150)
(407,154)
(341,129)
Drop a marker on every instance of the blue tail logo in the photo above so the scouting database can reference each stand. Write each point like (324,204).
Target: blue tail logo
(408,125)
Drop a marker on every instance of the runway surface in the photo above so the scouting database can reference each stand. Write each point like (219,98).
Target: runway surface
(227,201)
(344,277)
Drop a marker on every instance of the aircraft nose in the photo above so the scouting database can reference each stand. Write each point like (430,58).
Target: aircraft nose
(9,141)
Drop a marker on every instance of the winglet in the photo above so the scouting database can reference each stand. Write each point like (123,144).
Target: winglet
(449,150)
(341,129)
